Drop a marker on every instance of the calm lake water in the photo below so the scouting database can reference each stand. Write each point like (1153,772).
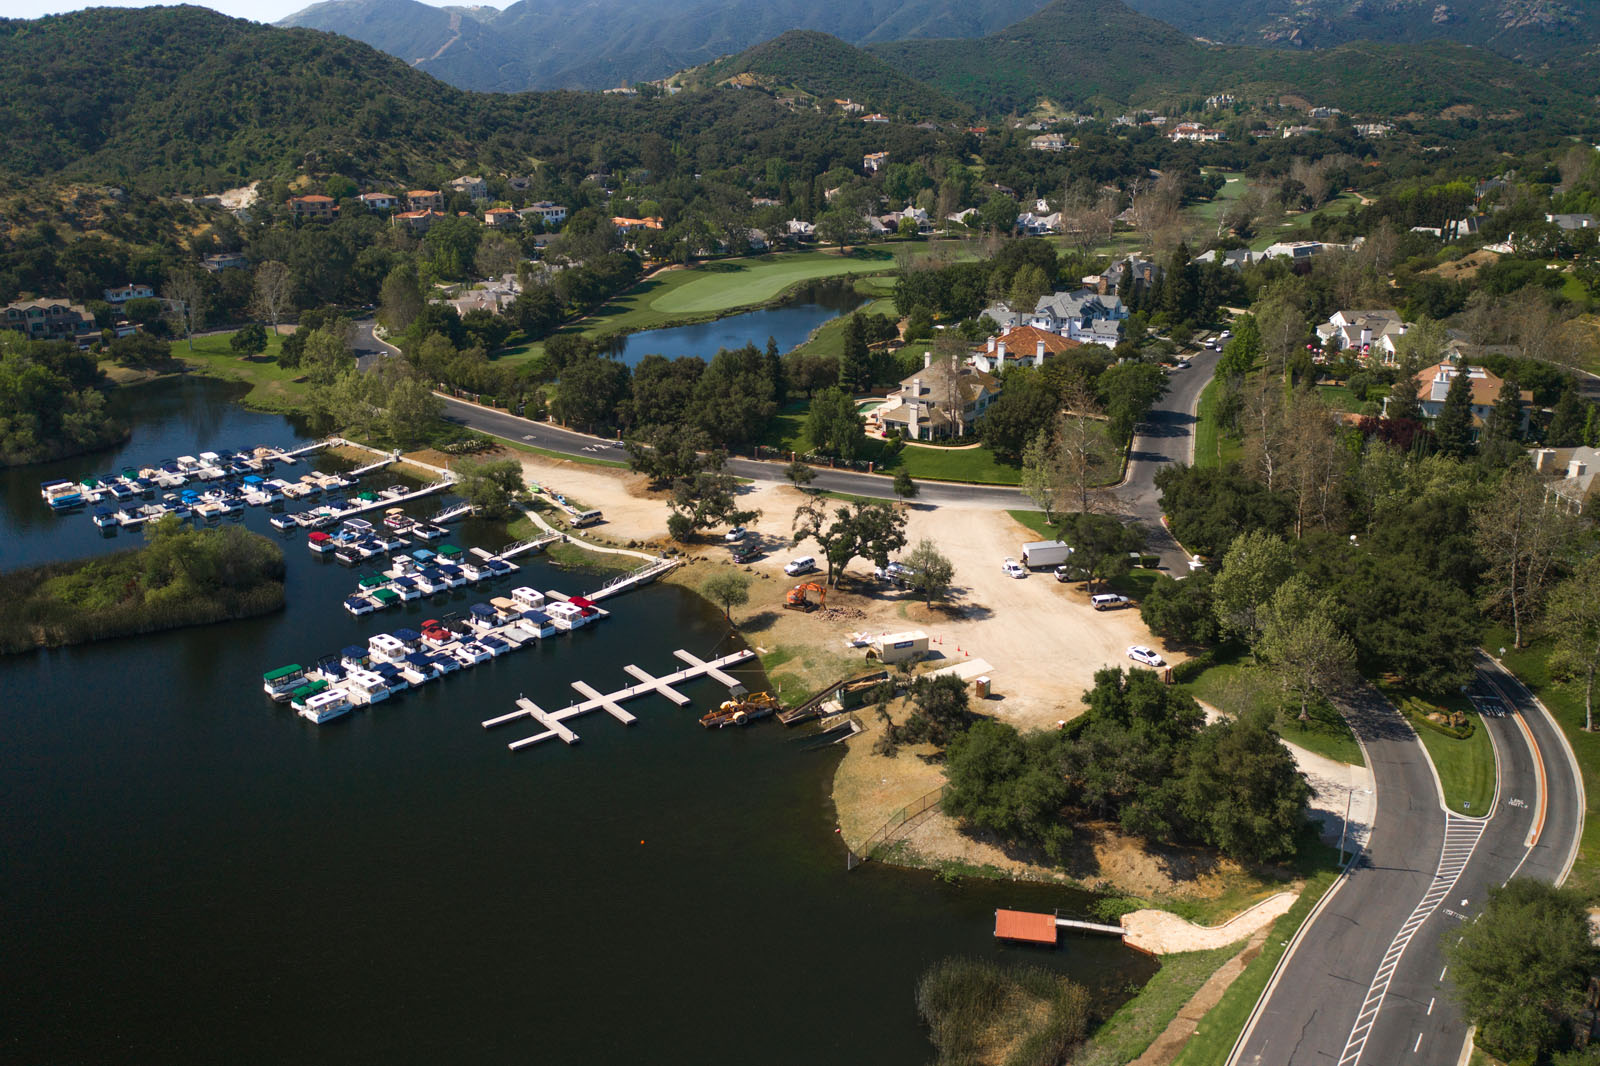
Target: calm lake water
(789,325)
(190,873)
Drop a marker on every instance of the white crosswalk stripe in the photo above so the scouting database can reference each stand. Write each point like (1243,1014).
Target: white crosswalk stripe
(1461,837)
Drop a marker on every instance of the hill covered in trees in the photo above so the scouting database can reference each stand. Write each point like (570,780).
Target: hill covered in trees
(1087,51)
(828,68)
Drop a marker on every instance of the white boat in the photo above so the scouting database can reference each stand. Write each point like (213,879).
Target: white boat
(280,683)
(105,518)
(532,599)
(471,653)
(325,706)
(386,648)
(365,687)
(359,605)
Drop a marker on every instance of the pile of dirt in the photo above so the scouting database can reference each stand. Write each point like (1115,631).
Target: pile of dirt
(841,614)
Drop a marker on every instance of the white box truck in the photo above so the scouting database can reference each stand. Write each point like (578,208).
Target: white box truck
(1045,553)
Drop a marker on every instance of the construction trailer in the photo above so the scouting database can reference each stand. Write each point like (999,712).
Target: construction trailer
(890,648)
(1043,553)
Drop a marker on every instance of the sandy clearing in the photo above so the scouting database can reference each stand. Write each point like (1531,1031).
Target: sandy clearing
(1164,933)
(1043,639)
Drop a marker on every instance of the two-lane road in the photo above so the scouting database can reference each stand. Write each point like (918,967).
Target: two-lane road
(1368,981)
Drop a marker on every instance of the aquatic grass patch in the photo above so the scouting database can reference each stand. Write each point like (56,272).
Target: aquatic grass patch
(184,577)
(979,1011)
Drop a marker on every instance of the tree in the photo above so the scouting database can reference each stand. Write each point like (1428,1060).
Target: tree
(799,473)
(1567,420)
(327,353)
(1022,411)
(855,375)
(1257,563)
(1243,792)
(1182,610)
(706,498)
(491,487)
(1310,657)
(590,391)
(841,225)
(1502,434)
(942,710)
(729,588)
(187,295)
(1007,784)
(1128,391)
(736,396)
(1083,453)
(1101,545)
(870,530)
(905,487)
(400,300)
(497,255)
(931,572)
(1041,474)
(999,213)
(251,339)
(1208,508)
(271,291)
(1521,968)
(834,427)
(1522,537)
(1453,428)
(1574,620)
(410,410)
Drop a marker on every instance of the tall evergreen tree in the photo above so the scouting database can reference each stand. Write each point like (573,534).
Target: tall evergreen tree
(1567,421)
(1180,291)
(1453,427)
(780,391)
(1501,442)
(855,373)
(1403,403)
(1125,289)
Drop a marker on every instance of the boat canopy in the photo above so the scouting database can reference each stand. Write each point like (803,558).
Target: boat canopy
(407,635)
(449,550)
(482,610)
(318,537)
(385,595)
(581,602)
(369,497)
(422,555)
(372,581)
(282,672)
(353,651)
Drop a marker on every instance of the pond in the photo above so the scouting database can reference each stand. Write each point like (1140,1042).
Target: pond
(194,874)
(789,324)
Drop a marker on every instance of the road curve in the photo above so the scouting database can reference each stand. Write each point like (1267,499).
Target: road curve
(1166,436)
(1368,981)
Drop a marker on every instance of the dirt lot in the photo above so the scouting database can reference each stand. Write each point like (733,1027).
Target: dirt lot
(1042,638)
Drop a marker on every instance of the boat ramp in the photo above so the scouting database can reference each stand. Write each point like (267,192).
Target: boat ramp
(611,703)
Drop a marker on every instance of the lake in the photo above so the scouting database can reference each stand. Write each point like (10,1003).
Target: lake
(193,874)
(789,324)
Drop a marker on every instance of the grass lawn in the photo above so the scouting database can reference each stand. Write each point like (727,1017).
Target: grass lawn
(1565,701)
(788,433)
(1466,767)
(1340,398)
(713,288)
(1137,1023)
(271,386)
(1234,187)
(1214,1038)
(1298,226)
(1238,688)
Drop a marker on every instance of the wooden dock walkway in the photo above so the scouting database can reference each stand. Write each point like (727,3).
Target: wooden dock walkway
(611,703)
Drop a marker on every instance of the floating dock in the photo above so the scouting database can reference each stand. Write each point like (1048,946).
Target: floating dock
(611,703)
(1029,927)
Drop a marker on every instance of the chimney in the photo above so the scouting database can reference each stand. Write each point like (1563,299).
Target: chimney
(1038,353)
(916,387)
(1001,351)
(1544,460)
(1577,468)
(991,348)
(916,406)
(927,357)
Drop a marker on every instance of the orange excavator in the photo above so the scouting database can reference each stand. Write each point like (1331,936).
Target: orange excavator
(798,600)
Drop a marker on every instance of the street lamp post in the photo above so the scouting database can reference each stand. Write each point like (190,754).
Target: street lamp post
(1344,828)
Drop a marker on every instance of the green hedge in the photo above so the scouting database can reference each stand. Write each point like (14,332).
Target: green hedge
(1418,710)
(1190,669)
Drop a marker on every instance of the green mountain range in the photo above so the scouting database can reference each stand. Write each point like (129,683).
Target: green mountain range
(1086,52)
(542,44)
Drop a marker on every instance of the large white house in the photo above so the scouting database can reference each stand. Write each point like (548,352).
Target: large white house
(1082,315)
(1370,332)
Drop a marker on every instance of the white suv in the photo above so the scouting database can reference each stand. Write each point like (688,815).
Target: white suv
(803,565)
(1140,654)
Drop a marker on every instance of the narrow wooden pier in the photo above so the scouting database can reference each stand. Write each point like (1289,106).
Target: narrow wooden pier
(611,703)
(370,467)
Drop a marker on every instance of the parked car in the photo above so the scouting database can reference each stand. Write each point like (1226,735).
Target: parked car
(1226,334)
(1182,364)
(1013,568)
(1140,654)
(803,565)
(747,553)
(896,573)
(1105,601)
(736,534)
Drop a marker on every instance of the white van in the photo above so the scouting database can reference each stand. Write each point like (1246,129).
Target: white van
(586,518)
(1104,601)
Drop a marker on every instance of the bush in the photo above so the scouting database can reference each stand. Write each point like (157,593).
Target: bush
(1418,710)
(1190,669)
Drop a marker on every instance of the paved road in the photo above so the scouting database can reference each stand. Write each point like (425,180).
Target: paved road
(1368,982)
(1166,436)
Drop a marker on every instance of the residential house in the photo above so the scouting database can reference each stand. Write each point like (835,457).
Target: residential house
(1035,225)
(1433,385)
(1571,222)
(1048,142)
(765,201)
(1145,273)
(1324,112)
(475,188)
(216,264)
(1233,257)
(1373,130)
(1083,315)
(379,201)
(118,297)
(1194,131)
(494,295)
(892,220)
(1298,250)
(1019,346)
(1458,228)
(633,225)
(801,230)
(963,217)
(1220,100)
(424,200)
(875,117)
(50,320)
(551,214)
(1572,471)
(1367,332)
(500,217)
(1297,131)
(417,222)
(849,107)
(940,401)
(316,206)
(874,161)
